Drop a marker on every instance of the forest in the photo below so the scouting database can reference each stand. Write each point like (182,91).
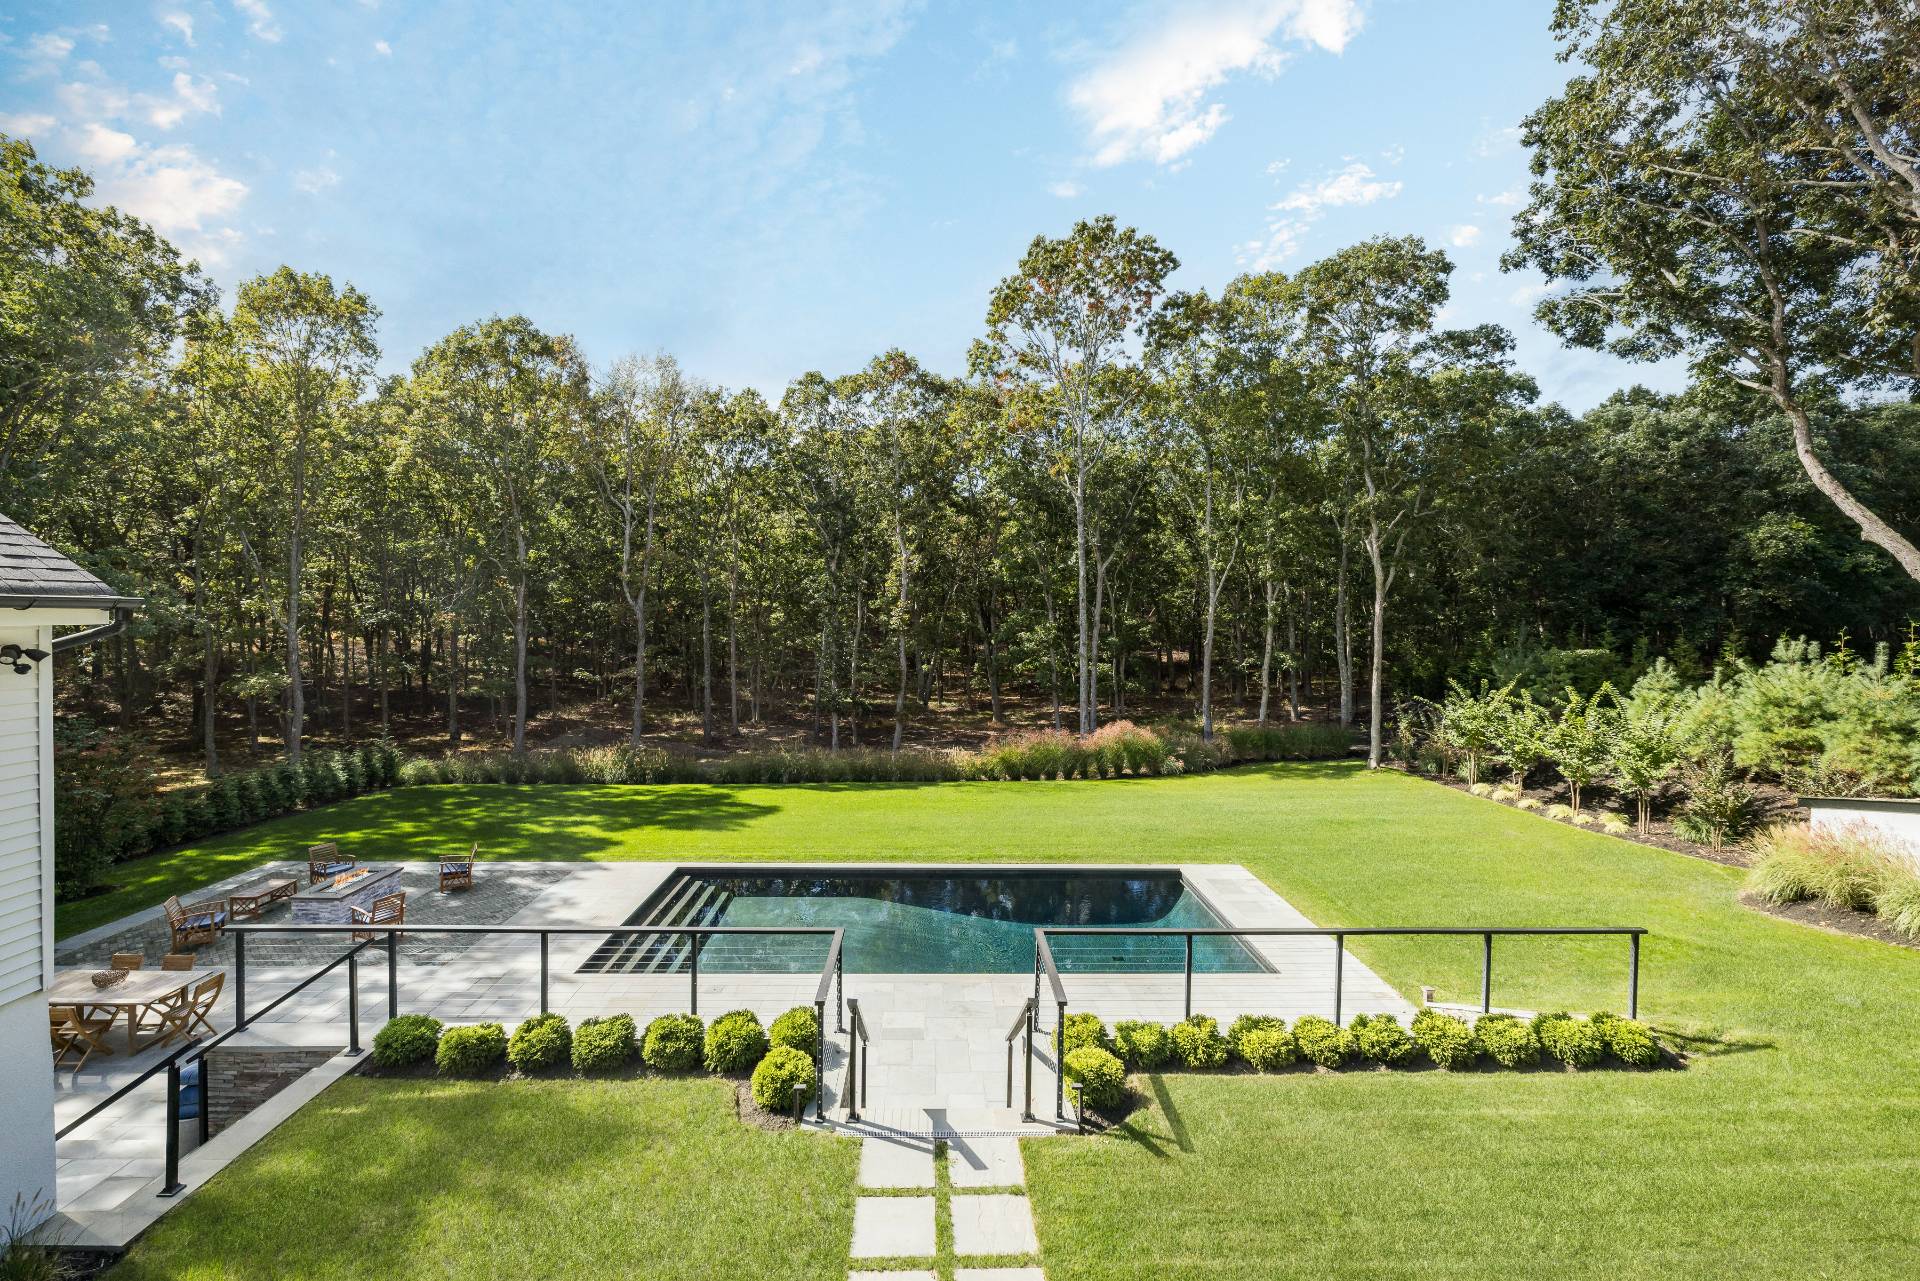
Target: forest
(1301,497)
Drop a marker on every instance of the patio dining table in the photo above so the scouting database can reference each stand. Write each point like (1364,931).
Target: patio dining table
(140,989)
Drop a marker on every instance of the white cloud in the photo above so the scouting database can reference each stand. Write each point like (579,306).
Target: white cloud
(1464,236)
(1146,99)
(382,48)
(260,23)
(1292,215)
(181,22)
(1505,199)
(1277,167)
(49,46)
(1527,295)
(104,146)
(315,181)
(23,124)
(190,97)
(1066,190)
(1395,154)
(170,187)
(1492,140)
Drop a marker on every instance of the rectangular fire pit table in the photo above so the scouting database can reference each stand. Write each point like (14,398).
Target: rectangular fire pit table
(332,902)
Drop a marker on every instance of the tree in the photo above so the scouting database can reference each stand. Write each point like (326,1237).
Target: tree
(494,401)
(1058,329)
(1736,181)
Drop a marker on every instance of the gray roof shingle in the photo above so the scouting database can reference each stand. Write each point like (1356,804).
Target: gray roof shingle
(30,568)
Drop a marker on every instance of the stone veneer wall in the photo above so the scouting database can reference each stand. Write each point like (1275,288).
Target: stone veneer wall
(239,1079)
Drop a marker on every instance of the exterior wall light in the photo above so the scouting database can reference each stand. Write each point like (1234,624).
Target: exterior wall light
(22,660)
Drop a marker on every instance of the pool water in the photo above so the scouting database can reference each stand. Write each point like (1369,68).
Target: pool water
(927,923)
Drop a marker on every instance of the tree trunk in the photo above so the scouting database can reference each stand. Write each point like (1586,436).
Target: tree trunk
(520,647)
(1342,638)
(1380,585)
(453,681)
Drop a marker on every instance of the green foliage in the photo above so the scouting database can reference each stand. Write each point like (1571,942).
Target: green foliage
(1237,1030)
(1141,1044)
(1197,1042)
(406,1039)
(1268,1048)
(1100,1076)
(798,1028)
(778,1075)
(1380,1038)
(1508,1041)
(735,1042)
(1080,1030)
(603,1045)
(1629,1040)
(1841,868)
(471,1051)
(1897,900)
(1645,748)
(1580,742)
(1446,1040)
(1720,808)
(1472,724)
(1574,1042)
(540,1043)
(1322,1042)
(674,1043)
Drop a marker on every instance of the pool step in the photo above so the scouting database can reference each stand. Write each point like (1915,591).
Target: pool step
(685,901)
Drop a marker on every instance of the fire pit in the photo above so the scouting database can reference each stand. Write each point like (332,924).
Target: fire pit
(332,902)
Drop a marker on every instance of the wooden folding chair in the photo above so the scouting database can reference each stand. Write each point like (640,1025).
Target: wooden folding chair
(184,1018)
(457,873)
(74,1031)
(129,960)
(177,961)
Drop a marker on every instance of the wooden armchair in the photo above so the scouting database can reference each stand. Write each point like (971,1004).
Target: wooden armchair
(74,1031)
(388,909)
(195,923)
(457,873)
(187,1015)
(325,861)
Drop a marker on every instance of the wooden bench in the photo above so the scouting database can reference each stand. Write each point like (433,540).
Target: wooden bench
(256,898)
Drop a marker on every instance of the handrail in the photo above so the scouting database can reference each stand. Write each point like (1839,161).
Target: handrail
(857,1076)
(1025,1021)
(124,1090)
(1339,934)
(1043,964)
(832,970)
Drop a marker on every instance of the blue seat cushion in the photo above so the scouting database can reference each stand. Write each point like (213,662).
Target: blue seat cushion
(329,869)
(456,867)
(205,919)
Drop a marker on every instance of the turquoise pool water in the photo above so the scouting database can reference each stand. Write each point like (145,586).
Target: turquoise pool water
(928,923)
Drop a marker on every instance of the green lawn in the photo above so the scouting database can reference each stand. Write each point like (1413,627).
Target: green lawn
(381,1179)
(1787,1148)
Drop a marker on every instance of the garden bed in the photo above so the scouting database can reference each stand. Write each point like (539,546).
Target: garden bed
(1861,924)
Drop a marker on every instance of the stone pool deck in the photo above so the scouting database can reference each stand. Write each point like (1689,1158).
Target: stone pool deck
(938,1053)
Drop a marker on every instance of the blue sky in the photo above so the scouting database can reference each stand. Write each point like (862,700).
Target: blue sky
(767,189)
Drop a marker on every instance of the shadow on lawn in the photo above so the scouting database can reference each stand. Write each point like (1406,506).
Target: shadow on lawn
(1135,1128)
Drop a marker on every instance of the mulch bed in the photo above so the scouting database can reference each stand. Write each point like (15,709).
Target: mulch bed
(1837,920)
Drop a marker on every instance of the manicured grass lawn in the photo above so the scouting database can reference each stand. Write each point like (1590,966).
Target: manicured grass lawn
(1787,1148)
(548,1179)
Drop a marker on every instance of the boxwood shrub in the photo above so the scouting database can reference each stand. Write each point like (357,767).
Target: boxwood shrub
(1508,1041)
(1448,1041)
(1268,1049)
(406,1040)
(783,1068)
(735,1042)
(1081,1030)
(1197,1042)
(797,1029)
(1141,1044)
(674,1043)
(1631,1041)
(603,1045)
(471,1051)
(1101,1078)
(540,1043)
(1573,1041)
(1238,1029)
(1322,1042)
(1380,1038)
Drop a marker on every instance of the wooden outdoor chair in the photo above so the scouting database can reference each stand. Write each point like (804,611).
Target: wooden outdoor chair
(325,861)
(128,960)
(195,923)
(457,873)
(177,961)
(176,1019)
(74,1031)
(388,909)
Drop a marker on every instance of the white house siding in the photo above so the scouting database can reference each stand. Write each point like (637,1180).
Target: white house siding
(1897,821)
(26,925)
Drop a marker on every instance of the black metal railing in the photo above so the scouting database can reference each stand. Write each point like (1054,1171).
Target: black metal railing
(1043,962)
(1023,1023)
(857,1075)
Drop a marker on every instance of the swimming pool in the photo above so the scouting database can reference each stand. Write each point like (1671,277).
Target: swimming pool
(946,921)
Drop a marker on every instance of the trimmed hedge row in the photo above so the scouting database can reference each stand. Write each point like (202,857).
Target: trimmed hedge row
(732,1045)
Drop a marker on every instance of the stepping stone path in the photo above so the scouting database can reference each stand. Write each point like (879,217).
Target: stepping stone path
(986,1216)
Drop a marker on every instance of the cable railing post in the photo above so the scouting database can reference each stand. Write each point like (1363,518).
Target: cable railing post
(206,1101)
(866,1072)
(1633,976)
(353,1015)
(1026,1110)
(1189,976)
(1339,973)
(393,974)
(239,979)
(1060,1060)
(820,1086)
(840,991)
(543,971)
(173,1185)
(693,970)
(1486,973)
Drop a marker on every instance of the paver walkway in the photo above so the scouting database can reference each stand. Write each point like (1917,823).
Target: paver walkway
(978,1208)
